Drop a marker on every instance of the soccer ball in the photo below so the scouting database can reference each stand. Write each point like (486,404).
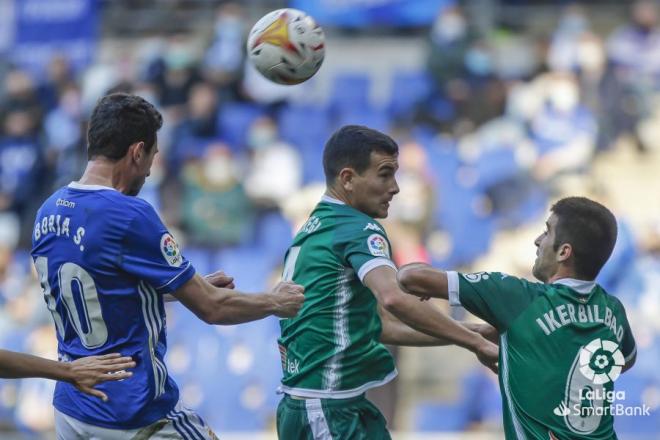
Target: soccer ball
(286,46)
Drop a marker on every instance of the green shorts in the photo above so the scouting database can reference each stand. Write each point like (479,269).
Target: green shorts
(330,419)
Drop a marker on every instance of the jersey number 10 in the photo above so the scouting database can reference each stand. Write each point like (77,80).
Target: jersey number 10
(87,311)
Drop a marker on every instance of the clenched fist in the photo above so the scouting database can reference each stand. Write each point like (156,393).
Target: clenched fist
(220,279)
(288,298)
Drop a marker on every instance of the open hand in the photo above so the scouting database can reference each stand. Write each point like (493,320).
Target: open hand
(87,372)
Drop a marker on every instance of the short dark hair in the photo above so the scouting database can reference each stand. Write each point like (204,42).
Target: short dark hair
(351,146)
(118,121)
(590,228)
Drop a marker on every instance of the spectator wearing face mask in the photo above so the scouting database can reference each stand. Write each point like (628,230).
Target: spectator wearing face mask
(215,210)
(275,167)
(223,60)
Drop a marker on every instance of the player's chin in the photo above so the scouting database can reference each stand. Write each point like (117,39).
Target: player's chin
(382,212)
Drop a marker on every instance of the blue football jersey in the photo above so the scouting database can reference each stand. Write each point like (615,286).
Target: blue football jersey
(104,261)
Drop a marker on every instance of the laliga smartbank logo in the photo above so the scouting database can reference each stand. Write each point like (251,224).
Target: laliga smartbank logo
(586,401)
(601,361)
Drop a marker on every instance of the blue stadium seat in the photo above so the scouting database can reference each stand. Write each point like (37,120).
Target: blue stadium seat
(248,267)
(407,90)
(234,120)
(439,417)
(201,259)
(274,236)
(636,387)
(350,91)
(312,165)
(495,166)
(305,126)
(371,117)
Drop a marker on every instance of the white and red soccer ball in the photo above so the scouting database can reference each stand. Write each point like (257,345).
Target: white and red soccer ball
(286,46)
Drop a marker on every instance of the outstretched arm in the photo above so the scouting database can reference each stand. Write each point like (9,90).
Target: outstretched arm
(422,280)
(216,305)
(426,318)
(84,373)
(395,332)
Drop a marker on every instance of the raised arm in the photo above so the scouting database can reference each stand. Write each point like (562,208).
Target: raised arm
(216,305)
(426,318)
(84,373)
(422,280)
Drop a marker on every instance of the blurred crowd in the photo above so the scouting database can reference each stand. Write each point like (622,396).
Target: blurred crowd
(490,131)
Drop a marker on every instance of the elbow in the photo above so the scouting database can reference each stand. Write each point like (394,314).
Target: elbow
(392,302)
(406,279)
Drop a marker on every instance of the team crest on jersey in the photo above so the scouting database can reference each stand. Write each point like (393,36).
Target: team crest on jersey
(378,246)
(476,277)
(311,225)
(170,250)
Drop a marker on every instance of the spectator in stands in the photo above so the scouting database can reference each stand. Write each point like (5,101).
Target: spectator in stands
(178,75)
(275,169)
(215,210)
(223,61)
(633,53)
(59,76)
(20,165)
(20,93)
(563,53)
(197,129)
(63,129)
(564,132)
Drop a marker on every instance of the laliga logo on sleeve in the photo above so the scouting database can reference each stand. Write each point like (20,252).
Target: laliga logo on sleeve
(170,250)
(378,246)
(601,361)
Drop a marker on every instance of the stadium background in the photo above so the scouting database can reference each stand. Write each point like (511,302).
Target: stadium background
(500,107)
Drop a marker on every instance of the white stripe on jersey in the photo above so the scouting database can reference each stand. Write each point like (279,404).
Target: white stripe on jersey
(504,346)
(159,327)
(151,321)
(331,376)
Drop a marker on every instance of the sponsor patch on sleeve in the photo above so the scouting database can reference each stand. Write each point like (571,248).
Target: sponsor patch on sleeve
(378,246)
(170,250)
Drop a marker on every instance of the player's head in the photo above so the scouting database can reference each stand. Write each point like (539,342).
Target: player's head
(580,235)
(360,163)
(123,129)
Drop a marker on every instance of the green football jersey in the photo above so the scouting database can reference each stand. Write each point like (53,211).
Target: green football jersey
(331,349)
(562,346)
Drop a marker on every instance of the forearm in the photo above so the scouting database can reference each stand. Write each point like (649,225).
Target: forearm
(428,319)
(398,333)
(422,280)
(237,308)
(18,365)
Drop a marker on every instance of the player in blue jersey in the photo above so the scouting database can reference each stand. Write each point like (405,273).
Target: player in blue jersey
(105,261)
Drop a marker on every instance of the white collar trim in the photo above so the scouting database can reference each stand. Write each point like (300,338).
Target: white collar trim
(78,185)
(329,199)
(580,286)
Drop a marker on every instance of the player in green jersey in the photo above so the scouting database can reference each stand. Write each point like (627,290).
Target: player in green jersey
(333,351)
(563,342)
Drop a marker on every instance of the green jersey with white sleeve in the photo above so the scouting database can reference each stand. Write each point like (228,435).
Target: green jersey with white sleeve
(331,349)
(562,346)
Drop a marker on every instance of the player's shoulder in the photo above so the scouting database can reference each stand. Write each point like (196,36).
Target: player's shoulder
(504,279)
(354,222)
(613,302)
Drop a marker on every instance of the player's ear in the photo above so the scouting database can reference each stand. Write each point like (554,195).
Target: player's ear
(564,252)
(345,178)
(137,151)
